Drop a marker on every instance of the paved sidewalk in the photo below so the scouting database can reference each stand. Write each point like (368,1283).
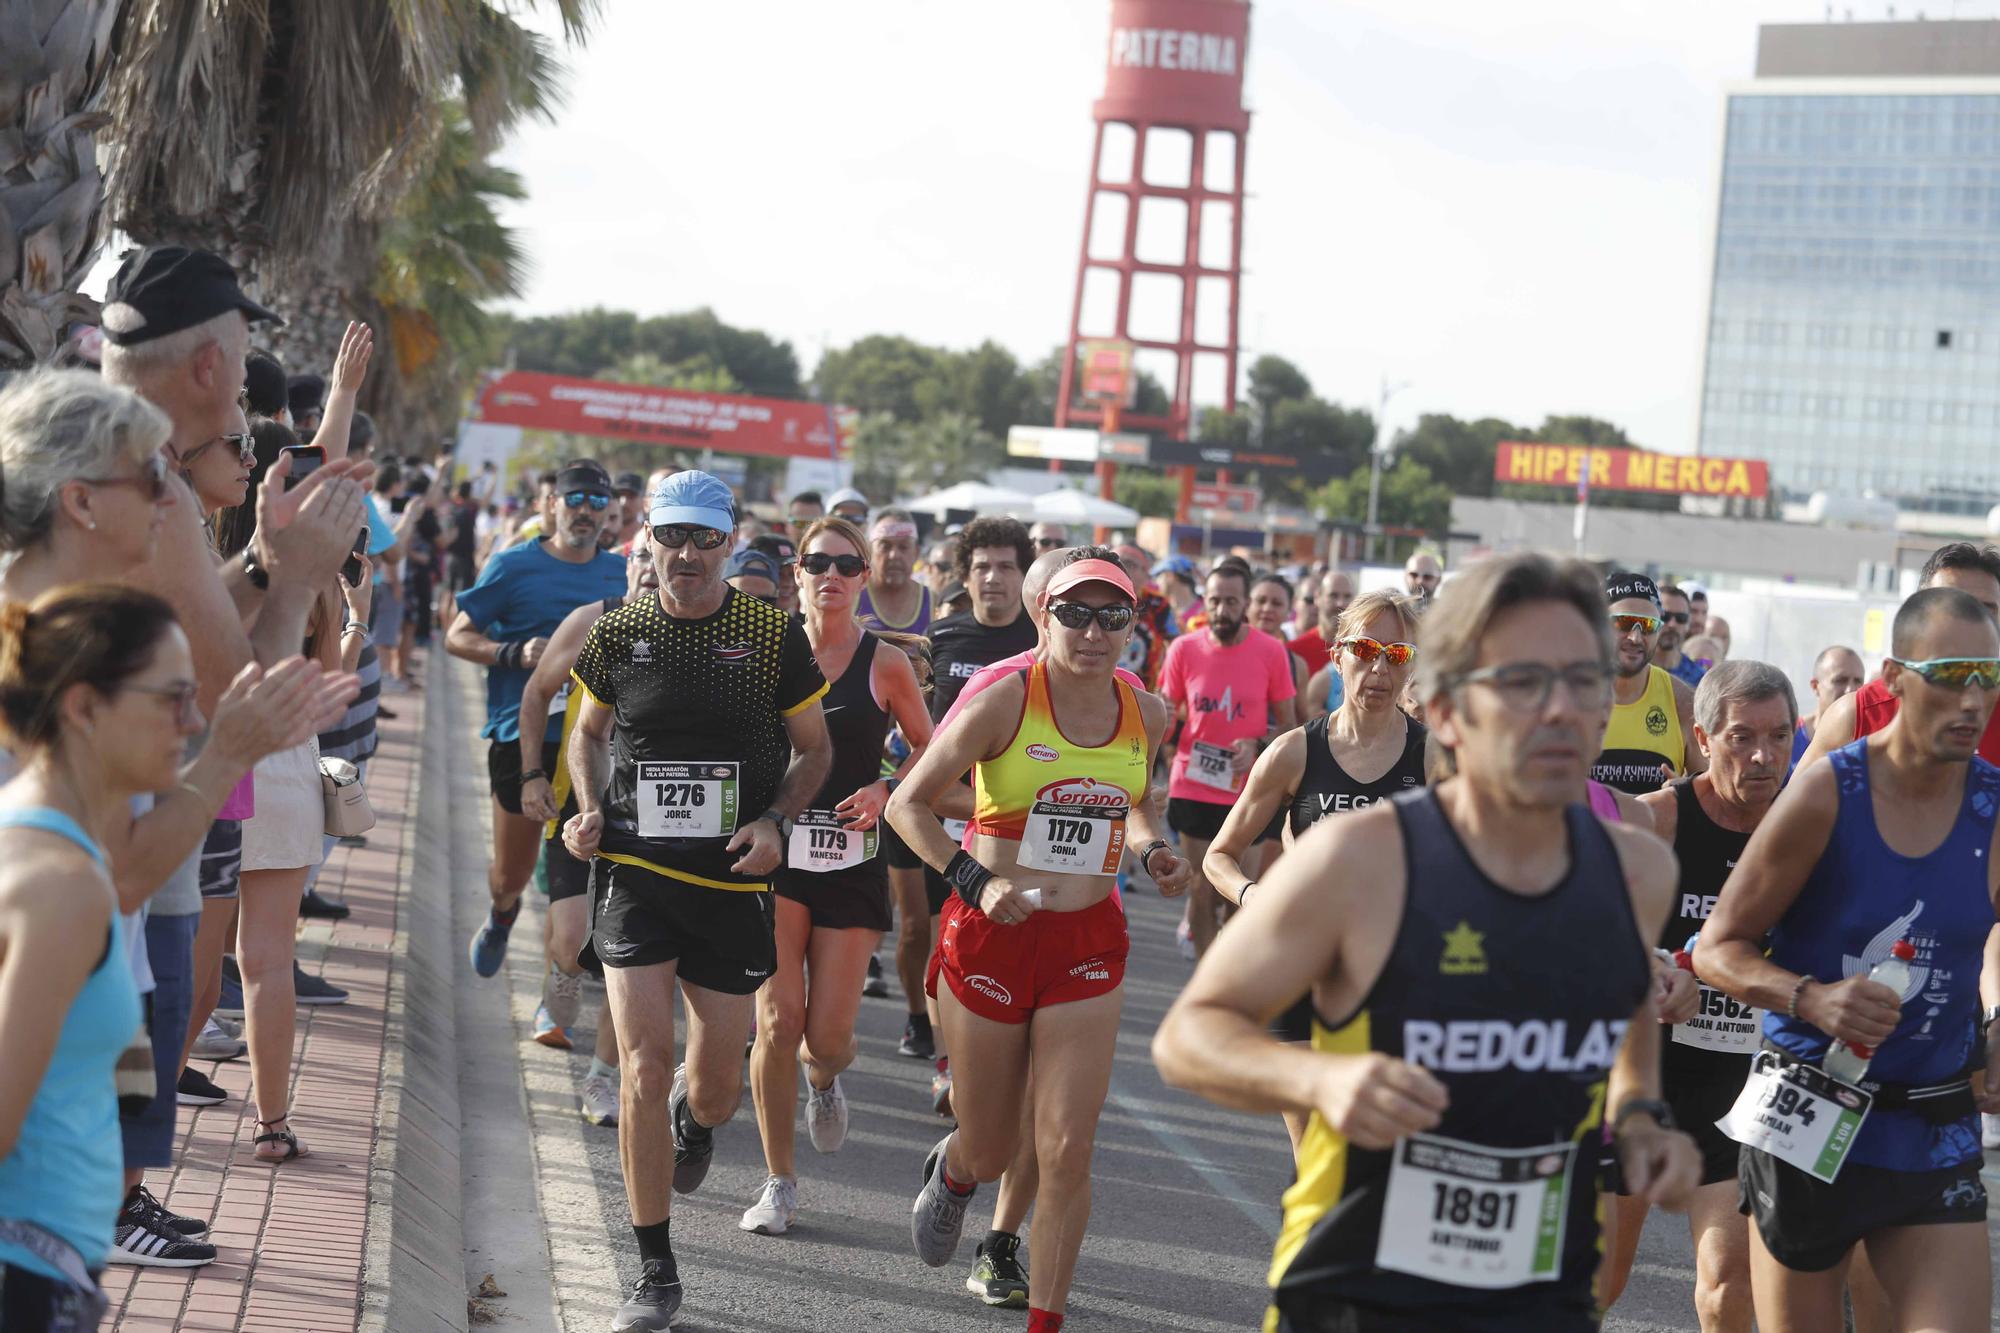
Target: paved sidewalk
(291,1238)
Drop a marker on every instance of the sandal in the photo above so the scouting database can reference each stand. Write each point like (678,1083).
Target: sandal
(290,1146)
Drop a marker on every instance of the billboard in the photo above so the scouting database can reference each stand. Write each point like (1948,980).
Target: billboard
(1230,499)
(1107,371)
(733,423)
(1075,445)
(1609,469)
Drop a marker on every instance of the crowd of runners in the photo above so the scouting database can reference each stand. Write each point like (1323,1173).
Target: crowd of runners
(1522,904)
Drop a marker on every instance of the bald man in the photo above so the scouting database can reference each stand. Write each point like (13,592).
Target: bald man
(1837,673)
(1420,577)
(1314,647)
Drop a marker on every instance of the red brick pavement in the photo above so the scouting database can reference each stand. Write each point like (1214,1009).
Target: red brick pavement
(290,1238)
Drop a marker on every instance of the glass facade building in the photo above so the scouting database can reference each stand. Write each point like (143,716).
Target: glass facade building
(1853,338)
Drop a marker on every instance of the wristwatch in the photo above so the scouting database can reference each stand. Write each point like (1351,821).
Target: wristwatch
(260,577)
(777,817)
(1986,1018)
(1662,1114)
(530,774)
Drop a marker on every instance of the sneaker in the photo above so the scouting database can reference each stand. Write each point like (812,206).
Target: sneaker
(311,990)
(489,946)
(230,1004)
(599,1096)
(650,1307)
(215,1043)
(562,996)
(998,1277)
(777,1207)
(918,1043)
(1184,939)
(550,1033)
(323,909)
(228,1027)
(938,1215)
(198,1089)
(694,1146)
(1989,1131)
(826,1115)
(145,1239)
(941,1092)
(876,987)
(186,1226)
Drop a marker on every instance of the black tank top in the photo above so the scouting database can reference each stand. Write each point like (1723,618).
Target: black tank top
(857,726)
(1326,789)
(1518,1005)
(1707,853)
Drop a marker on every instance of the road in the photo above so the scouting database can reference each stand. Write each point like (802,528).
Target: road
(1184,1214)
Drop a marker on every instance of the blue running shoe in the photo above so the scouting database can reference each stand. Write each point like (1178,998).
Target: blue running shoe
(489,946)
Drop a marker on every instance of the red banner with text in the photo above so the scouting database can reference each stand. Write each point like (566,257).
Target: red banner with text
(1610,469)
(733,423)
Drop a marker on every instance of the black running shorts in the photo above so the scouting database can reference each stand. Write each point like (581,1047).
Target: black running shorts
(895,853)
(852,899)
(1809,1226)
(1332,1316)
(1697,1104)
(1196,819)
(721,938)
(503,770)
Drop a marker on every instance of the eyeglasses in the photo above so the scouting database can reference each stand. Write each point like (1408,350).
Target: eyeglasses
(182,694)
(597,500)
(673,536)
(818,562)
(243,442)
(1525,687)
(1644,624)
(1046,543)
(1956,673)
(1674,617)
(1075,615)
(1367,650)
(150,480)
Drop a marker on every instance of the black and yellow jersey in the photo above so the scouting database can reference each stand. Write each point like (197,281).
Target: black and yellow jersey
(1518,1005)
(1643,735)
(698,739)
(572,702)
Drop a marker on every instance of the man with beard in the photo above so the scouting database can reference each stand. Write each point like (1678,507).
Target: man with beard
(1653,714)
(1667,655)
(504,622)
(894,599)
(1233,689)
(1420,577)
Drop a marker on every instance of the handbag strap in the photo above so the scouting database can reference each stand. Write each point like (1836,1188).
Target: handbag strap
(51,1249)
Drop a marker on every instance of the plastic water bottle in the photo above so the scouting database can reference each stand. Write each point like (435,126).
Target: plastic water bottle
(1850,1063)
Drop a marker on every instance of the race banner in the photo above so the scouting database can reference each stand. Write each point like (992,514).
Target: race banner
(1586,468)
(733,423)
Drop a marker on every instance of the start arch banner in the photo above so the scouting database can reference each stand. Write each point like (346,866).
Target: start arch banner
(683,418)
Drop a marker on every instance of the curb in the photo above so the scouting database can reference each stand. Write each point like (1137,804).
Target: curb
(413,1266)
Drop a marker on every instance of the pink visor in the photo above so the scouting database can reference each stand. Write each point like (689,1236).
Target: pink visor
(1088,571)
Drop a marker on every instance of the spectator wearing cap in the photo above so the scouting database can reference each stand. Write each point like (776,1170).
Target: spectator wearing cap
(785,552)
(264,387)
(1651,734)
(753,573)
(849,504)
(630,488)
(1176,576)
(504,622)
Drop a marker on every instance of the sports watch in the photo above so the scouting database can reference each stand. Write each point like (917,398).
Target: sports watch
(1663,1115)
(777,817)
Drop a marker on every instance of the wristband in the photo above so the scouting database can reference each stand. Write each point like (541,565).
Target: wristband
(1663,1115)
(1798,988)
(508,655)
(260,578)
(1147,851)
(353,627)
(1243,894)
(967,877)
(531,775)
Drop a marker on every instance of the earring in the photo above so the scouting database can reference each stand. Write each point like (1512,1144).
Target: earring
(92,525)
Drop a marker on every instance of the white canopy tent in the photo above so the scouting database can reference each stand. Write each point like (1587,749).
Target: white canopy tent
(976,496)
(1080,508)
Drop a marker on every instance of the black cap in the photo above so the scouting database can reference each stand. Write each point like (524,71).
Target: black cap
(163,289)
(264,383)
(583,474)
(1622,584)
(779,548)
(631,483)
(305,394)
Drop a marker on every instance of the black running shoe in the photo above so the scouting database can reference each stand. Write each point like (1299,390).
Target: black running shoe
(997,1275)
(145,1239)
(198,1089)
(650,1307)
(876,987)
(308,989)
(324,909)
(918,1042)
(694,1145)
(186,1226)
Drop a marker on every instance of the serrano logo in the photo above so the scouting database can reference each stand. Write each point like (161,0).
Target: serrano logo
(990,988)
(1048,754)
(733,653)
(1083,792)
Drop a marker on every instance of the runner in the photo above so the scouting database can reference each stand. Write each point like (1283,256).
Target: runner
(1270,607)
(1034,948)
(504,622)
(1473,1055)
(1310,772)
(1153,626)
(1315,646)
(1421,573)
(832,895)
(1889,844)
(786,552)
(1646,741)
(803,511)
(1232,687)
(849,504)
(708,690)
(1176,578)
(1048,537)
(1837,673)
(1667,654)
(894,599)
(1744,714)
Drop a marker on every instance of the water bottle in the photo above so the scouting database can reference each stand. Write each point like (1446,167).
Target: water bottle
(1850,1063)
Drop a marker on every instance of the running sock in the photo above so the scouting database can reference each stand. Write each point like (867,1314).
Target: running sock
(996,1241)
(920,1025)
(505,919)
(598,1069)
(943,1061)
(690,1129)
(1044,1321)
(944,1173)
(656,1248)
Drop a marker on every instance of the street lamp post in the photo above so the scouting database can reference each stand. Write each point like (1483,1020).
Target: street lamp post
(1375,455)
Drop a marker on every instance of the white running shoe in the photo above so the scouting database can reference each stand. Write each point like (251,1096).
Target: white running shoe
(216,1044)
(562,993)
(826,1115)
(1989,1131)
(599,1096)
(777,1207)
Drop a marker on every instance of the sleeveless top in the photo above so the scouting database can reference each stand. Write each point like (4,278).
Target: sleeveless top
(1602,803)
(571,700)
(1481,989)
(1326,789)
(1875,708)
(66,1173)
(865,612)
(1047,780)
(857,725)
(1858,901)
(1707,852)
(1643,735)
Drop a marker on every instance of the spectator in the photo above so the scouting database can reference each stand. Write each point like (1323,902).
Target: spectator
(264,387)
(464,543)
(305,395)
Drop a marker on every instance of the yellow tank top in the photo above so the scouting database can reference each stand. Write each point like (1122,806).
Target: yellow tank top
(1643,735)
(1065,803)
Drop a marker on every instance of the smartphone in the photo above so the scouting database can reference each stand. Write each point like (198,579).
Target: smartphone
(306,459)
(351,571)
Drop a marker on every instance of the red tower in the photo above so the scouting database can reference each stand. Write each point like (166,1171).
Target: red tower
(1174,81)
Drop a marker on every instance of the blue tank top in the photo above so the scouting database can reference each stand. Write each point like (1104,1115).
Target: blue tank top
(1859,900)
(66,1173)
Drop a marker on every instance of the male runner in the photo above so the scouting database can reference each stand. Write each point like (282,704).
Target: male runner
(1153,626)
(1175,576)
(1837,673)
(802,511)
(1048,536)
(1697,610)
(1650,722)
(1667,654)
(849,504)
(1890,844)
(1233,688)
(753,574)
(1477,954)
(1744,715)
(894,599)
(709,690)
(1421,573)
(785,552)
(1315,646)
(504,622)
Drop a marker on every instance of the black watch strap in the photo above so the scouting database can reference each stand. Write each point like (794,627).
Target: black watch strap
(260,578)
(1662,1114)
(530,774)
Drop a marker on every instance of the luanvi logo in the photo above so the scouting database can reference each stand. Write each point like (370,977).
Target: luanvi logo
(1464,952)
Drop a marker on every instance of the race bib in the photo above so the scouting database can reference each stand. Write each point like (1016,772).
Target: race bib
(1212,766)
(1475,1216)
(685,800)
(1722,1024)
(1077,840)
(1798,1114)
(560,703)
(820,843)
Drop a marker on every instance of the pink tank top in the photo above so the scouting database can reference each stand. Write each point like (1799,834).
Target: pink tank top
(1602,803)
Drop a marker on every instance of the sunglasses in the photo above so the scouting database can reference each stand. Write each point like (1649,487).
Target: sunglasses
(597,500)
(1525,687)
(183,696)
(1075,615)
(818,562)
(150,480)
(1674,617)
(673,536)
(243,442)
(1046,543)
(1956,673)
(1644,624)
(1367,650)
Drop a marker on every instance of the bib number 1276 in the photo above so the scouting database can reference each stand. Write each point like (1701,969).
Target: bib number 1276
(685,800)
